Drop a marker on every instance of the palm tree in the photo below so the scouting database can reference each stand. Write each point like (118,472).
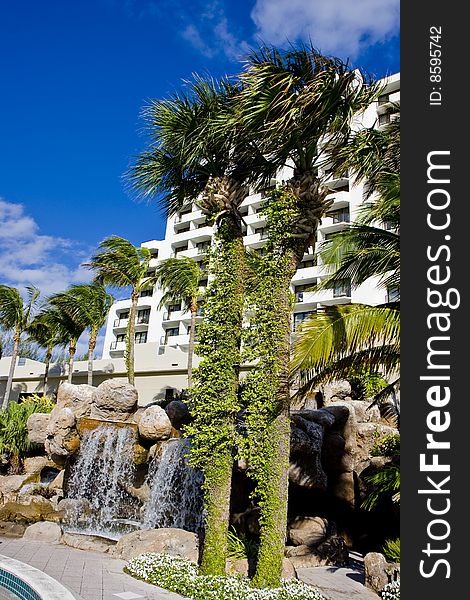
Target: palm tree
(181,280)
(200,152)
(45,330)
(300,105)
(89,305)
(15,315)
(69,324)
(334,343)
(118,263)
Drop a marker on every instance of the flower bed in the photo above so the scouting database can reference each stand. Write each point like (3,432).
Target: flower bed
(181,576)
(391,591)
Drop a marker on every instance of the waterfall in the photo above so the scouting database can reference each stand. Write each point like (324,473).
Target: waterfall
(175,490)
(98,479)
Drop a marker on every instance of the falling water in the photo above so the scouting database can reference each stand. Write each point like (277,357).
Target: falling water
(103,470)
(175,490)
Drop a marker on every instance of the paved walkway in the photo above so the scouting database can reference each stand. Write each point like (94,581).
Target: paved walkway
(96,576)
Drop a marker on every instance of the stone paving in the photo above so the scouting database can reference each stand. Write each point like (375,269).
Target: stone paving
(96,576)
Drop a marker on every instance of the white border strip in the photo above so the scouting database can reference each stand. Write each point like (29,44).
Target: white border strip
(47,587)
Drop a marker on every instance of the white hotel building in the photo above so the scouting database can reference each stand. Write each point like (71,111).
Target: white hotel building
(164,333)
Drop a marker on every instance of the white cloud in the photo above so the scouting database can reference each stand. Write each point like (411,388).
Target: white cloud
(192,35)
(28,257)
(338,27)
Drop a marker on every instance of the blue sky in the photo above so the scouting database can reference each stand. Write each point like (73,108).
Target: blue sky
(74,77)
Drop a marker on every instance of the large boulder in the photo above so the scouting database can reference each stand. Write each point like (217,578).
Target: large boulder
(12,530)
(379,572)
(43,531)
(336,390)
(308,531)
(305,467)
(154,424)
(62,436)
(114,400)
(37,424)
(175,542)
(36,508)
(178,413)
(78,398)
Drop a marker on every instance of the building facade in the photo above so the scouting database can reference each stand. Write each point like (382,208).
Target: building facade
(187,234)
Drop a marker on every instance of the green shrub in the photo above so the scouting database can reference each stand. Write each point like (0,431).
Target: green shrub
(388,445)
(13,431)
(241,546)
(366,383)
(391,550)
(180,575)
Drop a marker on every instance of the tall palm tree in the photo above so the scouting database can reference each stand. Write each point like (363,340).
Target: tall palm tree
(118,263)
(342,339)
(200,152)
(45,330)
(300,104)
(181,278)
(70,325)
(15,316)
(89,305)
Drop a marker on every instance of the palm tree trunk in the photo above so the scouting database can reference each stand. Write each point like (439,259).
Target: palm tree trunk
(14,355)
(130,341)
(214,396)
(91,351)
(192,335)
(46,369)
(72,350)
(273,483)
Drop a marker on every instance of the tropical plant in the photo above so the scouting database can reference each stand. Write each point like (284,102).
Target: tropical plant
(343,341)
(240,546)
(200,153)
(299,104)
(391,549)
(89,305)
(15,316)
(388,445)
(70,326)
(119,264)
(385,484)
(45,330)
(13,430)
(180,278)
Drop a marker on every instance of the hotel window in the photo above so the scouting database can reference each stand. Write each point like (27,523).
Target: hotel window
(120,337)
(143,316)
(145,293)
(384,98)
(124,315)
(141,337)
(393,293)
(384,119)
(342,288)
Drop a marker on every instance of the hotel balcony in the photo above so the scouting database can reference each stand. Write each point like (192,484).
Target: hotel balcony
(117,348)
(175,340)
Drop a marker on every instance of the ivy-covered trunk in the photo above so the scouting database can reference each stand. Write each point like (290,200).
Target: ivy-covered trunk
(292,218)
(214,396)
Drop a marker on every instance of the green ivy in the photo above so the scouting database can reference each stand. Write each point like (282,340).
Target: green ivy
(214,399)
(266,387)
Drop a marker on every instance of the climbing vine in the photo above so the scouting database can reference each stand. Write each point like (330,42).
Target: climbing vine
(214,399)
(266,388)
